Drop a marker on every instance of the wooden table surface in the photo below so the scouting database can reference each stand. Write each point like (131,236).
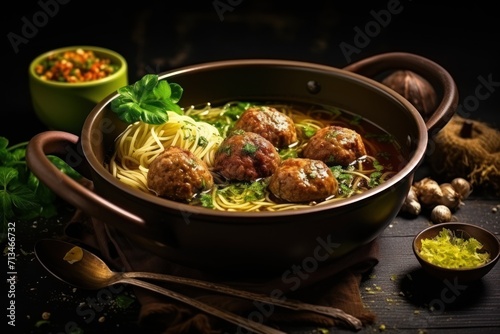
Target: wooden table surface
(402,296)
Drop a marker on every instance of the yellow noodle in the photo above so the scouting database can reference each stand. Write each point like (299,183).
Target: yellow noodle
(141,143)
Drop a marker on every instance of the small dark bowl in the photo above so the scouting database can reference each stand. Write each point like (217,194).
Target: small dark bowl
(487,239)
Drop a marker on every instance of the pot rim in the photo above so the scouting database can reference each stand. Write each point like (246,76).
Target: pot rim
(413,162)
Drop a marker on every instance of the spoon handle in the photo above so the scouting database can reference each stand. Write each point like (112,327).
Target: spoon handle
(253,326)
(335,313)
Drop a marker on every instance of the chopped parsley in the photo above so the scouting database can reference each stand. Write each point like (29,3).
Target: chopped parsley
(207,201)
(375,176)
(202,141)
(308,131)
(288,153)
(249,148)
(344,179)
(245,191)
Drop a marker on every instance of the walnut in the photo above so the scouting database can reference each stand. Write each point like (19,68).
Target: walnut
(417,90)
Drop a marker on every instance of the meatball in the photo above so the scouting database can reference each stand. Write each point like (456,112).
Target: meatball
(271,124)
(178,174)
(246,156)
(335,145)
(303,180)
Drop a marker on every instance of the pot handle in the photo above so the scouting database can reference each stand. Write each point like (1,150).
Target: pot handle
(77,193)
(437,76)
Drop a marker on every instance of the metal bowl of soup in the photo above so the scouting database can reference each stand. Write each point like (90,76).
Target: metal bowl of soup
(263,240)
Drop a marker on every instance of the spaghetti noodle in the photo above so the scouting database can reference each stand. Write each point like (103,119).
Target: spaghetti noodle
(141,143)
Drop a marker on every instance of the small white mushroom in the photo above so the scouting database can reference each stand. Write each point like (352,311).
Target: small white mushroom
(441,214)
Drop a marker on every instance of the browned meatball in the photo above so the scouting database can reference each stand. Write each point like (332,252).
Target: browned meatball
(178,174)
(335,145)
(271,124)
(246,156)
(303,180)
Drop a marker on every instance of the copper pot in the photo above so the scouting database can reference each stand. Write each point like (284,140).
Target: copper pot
(263,241)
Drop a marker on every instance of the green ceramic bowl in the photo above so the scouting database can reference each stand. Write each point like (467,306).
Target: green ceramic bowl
(65,106)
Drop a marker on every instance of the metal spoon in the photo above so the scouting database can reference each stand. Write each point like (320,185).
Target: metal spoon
(92,273)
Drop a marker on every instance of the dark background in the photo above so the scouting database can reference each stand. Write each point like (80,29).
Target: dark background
(156,36)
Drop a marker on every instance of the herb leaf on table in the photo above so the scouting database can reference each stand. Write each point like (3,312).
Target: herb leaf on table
(22,195)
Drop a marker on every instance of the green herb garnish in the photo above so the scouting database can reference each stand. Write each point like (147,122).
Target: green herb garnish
(249,148)
(148,100)
(22,195)
(245,191)
(206,200)
(288,153)
(375,176)
(344,178)
(235,110)
(308,131)
(202,141)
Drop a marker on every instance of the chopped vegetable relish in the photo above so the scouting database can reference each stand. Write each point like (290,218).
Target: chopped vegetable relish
(75,66)
(446,250)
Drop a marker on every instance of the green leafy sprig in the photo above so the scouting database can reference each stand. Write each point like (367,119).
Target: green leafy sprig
(22,195)
(147,100)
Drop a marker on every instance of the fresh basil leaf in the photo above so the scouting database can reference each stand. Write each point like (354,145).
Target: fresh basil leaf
(6,206)
(162,91)
(7,174)
(4,142)
(147,100)
(64,167)
(19,154)
(177,92)
(24,199)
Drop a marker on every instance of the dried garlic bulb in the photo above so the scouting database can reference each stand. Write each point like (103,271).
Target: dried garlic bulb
(451,198)
(411,203)
(441,214)
(429,192)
